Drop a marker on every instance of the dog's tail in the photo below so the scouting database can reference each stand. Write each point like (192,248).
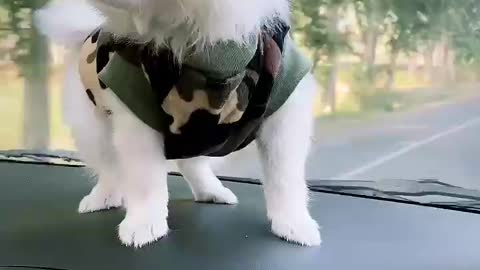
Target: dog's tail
(68,22)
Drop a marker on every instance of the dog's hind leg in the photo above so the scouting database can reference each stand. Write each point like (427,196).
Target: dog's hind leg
(91,130)
(205,186)
(95,149)
(283,144)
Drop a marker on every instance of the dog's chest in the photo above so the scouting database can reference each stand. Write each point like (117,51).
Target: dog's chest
(211,105)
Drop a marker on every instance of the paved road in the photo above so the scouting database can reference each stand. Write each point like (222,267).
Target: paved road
(440,141)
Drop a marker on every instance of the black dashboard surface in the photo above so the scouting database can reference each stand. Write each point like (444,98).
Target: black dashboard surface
(39,227)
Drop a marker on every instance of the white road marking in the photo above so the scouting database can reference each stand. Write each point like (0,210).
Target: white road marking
(383,159)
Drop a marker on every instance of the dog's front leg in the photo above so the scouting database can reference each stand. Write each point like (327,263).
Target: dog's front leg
(283,144)
(143,168)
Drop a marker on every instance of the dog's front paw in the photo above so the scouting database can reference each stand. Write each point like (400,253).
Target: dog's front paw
(100,199)
(138,232)
(221,195)
(300,229)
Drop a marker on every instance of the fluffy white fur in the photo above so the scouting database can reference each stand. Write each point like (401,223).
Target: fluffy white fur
(66,23)
(184,23)
(128,156)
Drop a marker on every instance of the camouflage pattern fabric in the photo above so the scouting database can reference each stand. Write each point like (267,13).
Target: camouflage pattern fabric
(198,111)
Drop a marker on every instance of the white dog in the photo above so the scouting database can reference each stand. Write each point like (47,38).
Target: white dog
(130,157)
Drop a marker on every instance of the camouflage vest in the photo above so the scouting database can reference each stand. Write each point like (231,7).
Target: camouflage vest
(210,105)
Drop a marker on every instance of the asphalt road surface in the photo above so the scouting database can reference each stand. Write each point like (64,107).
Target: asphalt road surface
(439,141)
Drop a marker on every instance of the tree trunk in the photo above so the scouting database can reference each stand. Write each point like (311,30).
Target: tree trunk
(36,100)
(450,66)
(315,60)
(332,83)
(448,69)
(370,52)
(333,57)
(390,83)
(371,39)
(428,71)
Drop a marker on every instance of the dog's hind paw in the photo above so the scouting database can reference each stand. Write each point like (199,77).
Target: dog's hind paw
(221,195)
(99,199)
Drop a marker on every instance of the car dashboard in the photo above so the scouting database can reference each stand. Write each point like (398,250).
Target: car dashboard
(40,228)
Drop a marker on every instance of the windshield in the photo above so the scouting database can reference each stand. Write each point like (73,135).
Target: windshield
(397,107)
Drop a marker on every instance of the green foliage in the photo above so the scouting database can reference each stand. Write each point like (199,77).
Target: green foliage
(465,31)
(315,20)
(407,24)
(407,21)
(16,22)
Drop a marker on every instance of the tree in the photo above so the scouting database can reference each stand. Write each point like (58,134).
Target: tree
(317,21)
(371,17)
(464,31)
(454,25)
(407,26)
(31,56)
(406,22)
